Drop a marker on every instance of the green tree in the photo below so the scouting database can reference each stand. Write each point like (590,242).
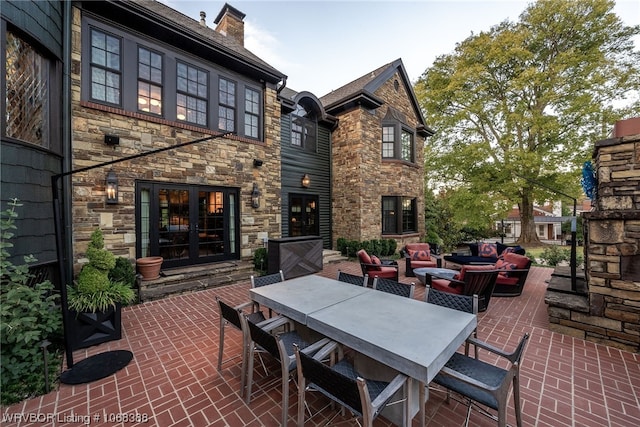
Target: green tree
(521,104)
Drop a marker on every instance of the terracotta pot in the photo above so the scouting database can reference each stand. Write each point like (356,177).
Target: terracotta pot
(149,267)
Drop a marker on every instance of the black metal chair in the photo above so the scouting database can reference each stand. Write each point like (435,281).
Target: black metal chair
(231,316)
(343,385)
(394,287)
(280,346)
(353,279)
(465,303)
(269,279)
(482,383)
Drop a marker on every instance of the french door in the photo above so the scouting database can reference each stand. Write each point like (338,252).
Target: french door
(303,215)
(187,224)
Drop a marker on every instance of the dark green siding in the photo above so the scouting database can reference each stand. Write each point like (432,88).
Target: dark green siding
(26,170)
(295,163)
(42,20)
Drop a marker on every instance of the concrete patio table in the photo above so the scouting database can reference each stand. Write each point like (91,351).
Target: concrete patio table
(410,336)
(296,298)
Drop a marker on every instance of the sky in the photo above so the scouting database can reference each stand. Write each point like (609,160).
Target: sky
(323,45)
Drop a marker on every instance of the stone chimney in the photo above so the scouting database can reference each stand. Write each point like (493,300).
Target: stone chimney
(230,22)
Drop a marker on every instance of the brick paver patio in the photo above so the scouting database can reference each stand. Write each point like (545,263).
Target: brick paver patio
(173,381)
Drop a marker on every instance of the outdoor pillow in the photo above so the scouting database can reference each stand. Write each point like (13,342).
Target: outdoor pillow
(418,255)
(520,261)
(376,260)
(488,250)
(364,256)
(505,266)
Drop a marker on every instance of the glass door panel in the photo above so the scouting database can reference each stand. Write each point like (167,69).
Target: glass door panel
(174,224)
(211,223)
(303,215)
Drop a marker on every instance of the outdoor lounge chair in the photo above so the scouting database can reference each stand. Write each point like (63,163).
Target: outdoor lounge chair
(372,266)
(419,255)
(472,280)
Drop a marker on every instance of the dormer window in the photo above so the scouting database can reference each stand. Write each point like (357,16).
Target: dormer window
(303,128)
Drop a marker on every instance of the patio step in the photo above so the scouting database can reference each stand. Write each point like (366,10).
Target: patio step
(177,281)
(330,256)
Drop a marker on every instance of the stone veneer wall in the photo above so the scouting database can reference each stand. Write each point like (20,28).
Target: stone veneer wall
(227,162)
(360,177)
(612,252)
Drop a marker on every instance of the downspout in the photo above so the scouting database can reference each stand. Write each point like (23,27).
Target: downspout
(284,84)
(66,137)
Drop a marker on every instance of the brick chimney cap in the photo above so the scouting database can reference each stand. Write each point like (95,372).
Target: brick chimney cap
(227,8)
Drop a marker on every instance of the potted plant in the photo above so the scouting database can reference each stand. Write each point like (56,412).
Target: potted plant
(95,299)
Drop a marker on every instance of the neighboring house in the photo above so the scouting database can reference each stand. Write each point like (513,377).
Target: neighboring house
(378,157)
(32,119)
(548,220)
(146,77)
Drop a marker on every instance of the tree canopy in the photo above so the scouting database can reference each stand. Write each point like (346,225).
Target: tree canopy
(517,108)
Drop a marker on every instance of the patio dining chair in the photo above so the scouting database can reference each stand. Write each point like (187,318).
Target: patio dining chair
(230,316)
(483,384)
(342,384)
(269,279)
(464,303)
(394,287)
(264,338)
(353,279)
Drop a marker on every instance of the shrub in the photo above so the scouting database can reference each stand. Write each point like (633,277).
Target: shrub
(123,272)
(341,245)
(28,317)
(554,255)
(260,259)
(392,246)
(353,246)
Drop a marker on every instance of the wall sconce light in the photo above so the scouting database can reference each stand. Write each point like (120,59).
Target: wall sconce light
(255,196)
(111,139)
(111,188)
(306,181)
(257,163)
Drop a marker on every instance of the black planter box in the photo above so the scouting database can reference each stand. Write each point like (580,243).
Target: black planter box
(87,329)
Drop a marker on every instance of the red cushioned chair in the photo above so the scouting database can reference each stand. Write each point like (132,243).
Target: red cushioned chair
(374,267)
(472,280)
(514,269)
(419,255)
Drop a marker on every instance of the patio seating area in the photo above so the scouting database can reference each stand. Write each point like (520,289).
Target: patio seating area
(173,381)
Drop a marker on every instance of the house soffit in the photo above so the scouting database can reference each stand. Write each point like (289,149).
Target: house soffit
(174,28)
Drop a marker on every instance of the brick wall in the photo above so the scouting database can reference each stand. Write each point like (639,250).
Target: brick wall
(227,162)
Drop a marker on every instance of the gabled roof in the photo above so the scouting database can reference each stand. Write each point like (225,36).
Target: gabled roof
(361,92)
(175,28)
(289,98)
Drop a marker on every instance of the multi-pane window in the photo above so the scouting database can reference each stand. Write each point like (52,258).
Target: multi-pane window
(398,215)
(27,92)
(303,128)
(149,81)
(227,107)
(191,99)
(106,63)
(251,113)
(164,82)
(388,141)
(406,145)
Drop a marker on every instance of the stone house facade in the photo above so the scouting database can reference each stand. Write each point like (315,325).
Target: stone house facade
(378,157)
(205,144)
(144,77)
